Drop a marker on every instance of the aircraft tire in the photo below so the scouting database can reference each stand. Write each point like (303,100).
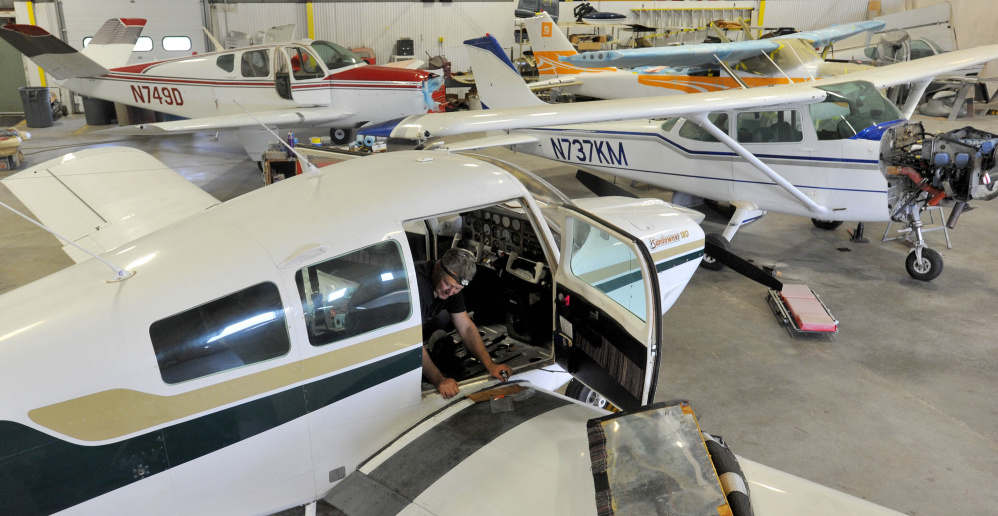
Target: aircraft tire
(826,224)
(736,489)
(709,262)
(928,269)
(340,136)
(577,390)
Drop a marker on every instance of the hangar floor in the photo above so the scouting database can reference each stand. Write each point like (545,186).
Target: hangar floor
(899,408)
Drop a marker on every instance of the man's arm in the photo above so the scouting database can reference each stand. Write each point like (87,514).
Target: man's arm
(473,341)
(447,387)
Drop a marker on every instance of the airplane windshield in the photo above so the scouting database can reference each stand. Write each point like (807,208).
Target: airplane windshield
(849,108)
(334,55)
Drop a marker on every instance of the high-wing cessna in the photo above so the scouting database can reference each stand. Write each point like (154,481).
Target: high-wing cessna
(309,83)
(686,68)
(217,359)
(833,150)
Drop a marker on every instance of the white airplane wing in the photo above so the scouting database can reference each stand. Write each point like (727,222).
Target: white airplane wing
(697,55)
(311,116)
(822,37)
(421,127)
(921,69)
(104,198)
(536,453)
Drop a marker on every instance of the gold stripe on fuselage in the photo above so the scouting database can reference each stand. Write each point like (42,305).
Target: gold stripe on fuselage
(115,413)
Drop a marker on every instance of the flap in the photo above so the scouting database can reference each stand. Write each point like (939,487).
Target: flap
(104,198)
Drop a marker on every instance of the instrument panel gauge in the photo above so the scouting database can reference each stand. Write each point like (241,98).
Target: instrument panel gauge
(505,234)
(487,229)
(516,225)
(516,239)
(505,222)
(478,214)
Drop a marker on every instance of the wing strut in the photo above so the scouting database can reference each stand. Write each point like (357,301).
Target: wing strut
(731,73)
(915,95)
(701,118)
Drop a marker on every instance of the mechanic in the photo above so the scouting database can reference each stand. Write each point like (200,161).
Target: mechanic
(440,284)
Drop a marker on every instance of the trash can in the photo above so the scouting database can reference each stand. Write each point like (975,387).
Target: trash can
(37,107)
(98,112)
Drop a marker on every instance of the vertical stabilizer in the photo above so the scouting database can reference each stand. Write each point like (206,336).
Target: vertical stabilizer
(549,44)
(112,45)
(499,84)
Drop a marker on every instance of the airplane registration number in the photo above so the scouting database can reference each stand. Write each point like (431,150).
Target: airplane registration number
(164,95)
(588,151)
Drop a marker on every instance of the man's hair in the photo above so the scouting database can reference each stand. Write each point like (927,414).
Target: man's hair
(460,262)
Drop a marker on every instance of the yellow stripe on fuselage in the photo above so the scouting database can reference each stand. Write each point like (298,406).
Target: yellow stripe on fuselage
(118,412)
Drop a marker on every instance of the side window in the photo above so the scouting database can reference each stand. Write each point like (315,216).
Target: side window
(226,62)
(670,123)
(610,266)
(303,65)
(354,293)
(769,127)
(692,131)
(920,49)
(255,63)
(239,329)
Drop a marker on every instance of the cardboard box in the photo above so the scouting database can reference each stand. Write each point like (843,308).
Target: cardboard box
(589,45)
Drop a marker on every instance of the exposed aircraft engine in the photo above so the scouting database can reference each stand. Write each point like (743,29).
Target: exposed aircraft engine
(923,169)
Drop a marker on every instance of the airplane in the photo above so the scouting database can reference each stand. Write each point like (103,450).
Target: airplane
(308,83)
(213,358)
(685,68)
(812,149)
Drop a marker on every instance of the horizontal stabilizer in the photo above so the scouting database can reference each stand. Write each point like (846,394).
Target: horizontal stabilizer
(104,198)
(698,55)
(112,45)
(49,52)
(311,117)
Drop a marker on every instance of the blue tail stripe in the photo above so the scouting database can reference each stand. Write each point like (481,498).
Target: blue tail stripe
(490,44)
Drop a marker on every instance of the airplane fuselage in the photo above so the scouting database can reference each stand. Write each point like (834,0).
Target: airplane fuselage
(259,79)
(842,174)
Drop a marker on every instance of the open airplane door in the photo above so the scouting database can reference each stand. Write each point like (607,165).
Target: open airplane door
(608,317)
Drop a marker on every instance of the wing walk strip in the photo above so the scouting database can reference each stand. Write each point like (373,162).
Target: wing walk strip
(394,484)
(42,474)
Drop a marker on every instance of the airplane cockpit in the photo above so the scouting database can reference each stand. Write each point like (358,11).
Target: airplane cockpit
(849,108)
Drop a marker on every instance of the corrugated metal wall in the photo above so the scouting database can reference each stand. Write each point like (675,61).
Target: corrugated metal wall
(809,14)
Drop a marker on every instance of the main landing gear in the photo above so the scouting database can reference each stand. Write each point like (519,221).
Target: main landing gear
(745,212)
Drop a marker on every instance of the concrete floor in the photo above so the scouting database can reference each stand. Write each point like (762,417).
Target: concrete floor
(899,408)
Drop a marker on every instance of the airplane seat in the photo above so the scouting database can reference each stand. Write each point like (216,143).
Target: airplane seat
(745,136)
(784,132)
(379,301)
(764,135)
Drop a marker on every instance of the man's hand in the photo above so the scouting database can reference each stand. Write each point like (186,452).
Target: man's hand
(447,388)
(496,371)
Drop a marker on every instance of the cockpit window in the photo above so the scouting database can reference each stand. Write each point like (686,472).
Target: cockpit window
(334,55)
(354,293)
(849,108)
(693,131)
(255,63)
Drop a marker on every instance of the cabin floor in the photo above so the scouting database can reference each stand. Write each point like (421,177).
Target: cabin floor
(898,408)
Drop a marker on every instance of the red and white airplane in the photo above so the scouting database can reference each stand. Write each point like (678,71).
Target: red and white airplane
(307,83)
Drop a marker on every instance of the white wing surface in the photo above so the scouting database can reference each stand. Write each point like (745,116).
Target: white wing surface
(104,198)
(313,116)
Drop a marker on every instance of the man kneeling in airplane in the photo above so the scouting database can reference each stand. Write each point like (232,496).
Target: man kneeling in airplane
(440,284)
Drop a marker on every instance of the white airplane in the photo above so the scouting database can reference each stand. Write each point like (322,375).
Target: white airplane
(686,68)
(814,150)
(223,359)
(308,83)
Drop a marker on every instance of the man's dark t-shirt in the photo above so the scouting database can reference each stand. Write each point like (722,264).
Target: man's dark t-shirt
(434,315)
